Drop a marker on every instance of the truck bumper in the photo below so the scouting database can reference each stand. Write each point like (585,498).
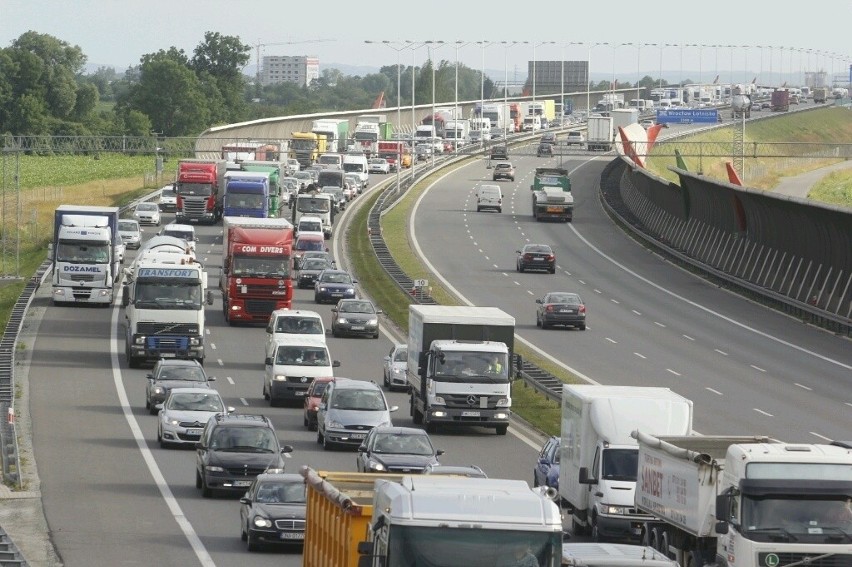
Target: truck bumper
(473,416)
(621,527)
(208,217)
(254,310)
(97,295)
(147,352)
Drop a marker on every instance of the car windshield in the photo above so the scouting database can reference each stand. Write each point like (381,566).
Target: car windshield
(357,307)
(128,226)
(244,440)
(195,402)
(186,373)
(308,244)
(401,355)
(302,356)
(336,278)
(360,400)
(299,325)
(568,298)
(403,443)
(315,264)
(310,226)
(281,493)
(146,207)
(319,388)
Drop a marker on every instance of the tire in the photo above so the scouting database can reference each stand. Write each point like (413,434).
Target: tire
(502,429)
(243,534)
(334,332)
(326,444)
(544,325)
(206,492)
(577,528)
(431,427)
(385,380)
(153,410)
(147,404)
(478,209)
(376,336)
(251,543)
(320,438)
(582,327)
(265,394)
(133,362)
(535,481)
(500,210)
(553,270)
(537,321)
(596,534)
(521,268)
(305,421)
(197,479)
(317,299)
(416,416)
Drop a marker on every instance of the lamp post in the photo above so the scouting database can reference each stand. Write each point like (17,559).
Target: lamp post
(458,44)
(588,76)
(483,45)
(429,48)
(506,45)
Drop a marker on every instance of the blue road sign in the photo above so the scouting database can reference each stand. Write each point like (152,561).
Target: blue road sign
(688,116)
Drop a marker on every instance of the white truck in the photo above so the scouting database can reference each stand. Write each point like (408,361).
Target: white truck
(366,138)
(163,298)
(598,457)
(86,251)
(458,366)
(599,133)
(457,132)
(315,204)
(623,117)
(746,501)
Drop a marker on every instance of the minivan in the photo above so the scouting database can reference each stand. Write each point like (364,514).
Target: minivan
(293,323)
(357,163)
(489,197)
(292,364)
(532,123)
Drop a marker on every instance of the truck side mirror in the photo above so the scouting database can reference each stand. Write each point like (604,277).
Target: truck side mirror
(125,296)
(267,361)
(721,528)
(585,478)
(209,297)
(335,364)
(723,506)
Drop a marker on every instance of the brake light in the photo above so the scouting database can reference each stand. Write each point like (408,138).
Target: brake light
(551,257)
(581,309)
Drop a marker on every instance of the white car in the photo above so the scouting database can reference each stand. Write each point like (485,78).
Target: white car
(168,198)
(185,412)
(130,233)
(574,137)
(379,165)
(183,231)
(147,213)
(395,366)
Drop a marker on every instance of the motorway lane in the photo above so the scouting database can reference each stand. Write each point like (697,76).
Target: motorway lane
(101,501)
(639,333)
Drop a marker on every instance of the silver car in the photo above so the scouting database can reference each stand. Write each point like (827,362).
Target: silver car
(395,367)
(348,410)
(184,414)
(130,233)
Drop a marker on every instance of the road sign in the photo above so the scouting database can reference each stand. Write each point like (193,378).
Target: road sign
(688,116)
(421,283)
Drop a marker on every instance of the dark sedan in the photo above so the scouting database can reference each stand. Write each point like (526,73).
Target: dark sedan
(173,373)
(334,285)
(546,471)
(406,450)
(273,511)
(536,257)
(352,317)
(309,270)
(560,308)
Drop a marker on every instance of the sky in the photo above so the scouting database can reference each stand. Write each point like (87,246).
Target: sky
(117,33)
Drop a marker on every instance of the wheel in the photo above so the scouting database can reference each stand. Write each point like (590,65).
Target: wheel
(535,481)
(596,534)
(243,534)
(544,325)
(553,270)
(521,268)
(478,209)
(385,380)
(376,336)
(334,332)
(416,416)
(582,327)
(305,421)
(320,438)
(153,410)
(500,210)
(317,299)
(133,362)
(431,427)
(326,444)
(502,429)
(147,403)
(206,492)
(251,543)
(537,321)
(197,479)
(265,393)
(577,528)
(312,426)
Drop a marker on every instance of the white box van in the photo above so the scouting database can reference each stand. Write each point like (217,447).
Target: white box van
(532,123)
(357,164)
(309,224)
(295,361)
(489,197)
(293,323)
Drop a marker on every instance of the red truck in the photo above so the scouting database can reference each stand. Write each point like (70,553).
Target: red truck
(200,189)
(394,149)
(516,116)
(256,278)
(780,100)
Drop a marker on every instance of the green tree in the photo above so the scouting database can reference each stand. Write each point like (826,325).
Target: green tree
(219,61)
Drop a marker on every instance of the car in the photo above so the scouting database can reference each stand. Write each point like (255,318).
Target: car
(489,197)
(292,322)
(503,171)
(168,198)
(185,412)
(545,149)
(548,138)
(291,364)
(402,450)
(309,270)
(423,151)
(646,123)
(354,182)
(324,254)
(755,107)
(171,373)
(339,197)
(561,308)
(273,511)
(395,367)
(304,177)
(574,138)
(546,470)
(310,224)
(500,152)
(293,165)
(354,317)
(312,401)
(185,232)
(348,410)
(765,104)
(536,257)
(470,471)
(130,233)
(333,285)
(233,450)
(305,243)
(378,165)
(147,212)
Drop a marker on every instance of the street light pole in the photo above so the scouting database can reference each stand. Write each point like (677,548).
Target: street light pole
(458,44)
(506,45)
(483,45)
(429,44)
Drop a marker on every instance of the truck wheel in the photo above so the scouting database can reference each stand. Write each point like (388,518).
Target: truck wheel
(251,543)
(577,528)
(431,427)
(416,416)
(502,429)
(197,479)
(596,534)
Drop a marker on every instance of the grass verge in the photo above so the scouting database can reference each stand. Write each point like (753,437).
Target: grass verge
(835,189)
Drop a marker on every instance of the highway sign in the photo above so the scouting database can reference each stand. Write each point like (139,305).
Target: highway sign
(421,283)
(688,116)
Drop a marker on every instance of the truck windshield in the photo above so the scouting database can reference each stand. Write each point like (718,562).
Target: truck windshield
(486,367)
(450,547)
(812,519)
(313,205)
(366,136)
(620,464)
(353,167)
(268,266)
(83,252)
(157,294)
(194,189)
(304,144)
(245,200)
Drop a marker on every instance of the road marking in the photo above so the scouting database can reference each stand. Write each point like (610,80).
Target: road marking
(676,373)
(567,273)
(657,323)
(516,283)
(820,436)
(723,353)
(615,301)
(767,414)
(687,337)
(480,250)
(487,258)
(219,360)
(230,380)
(758,368)
(581,282)
(243,400)
(207,330)
(213,346)
(717,392)
(848,404)
(642,356)
(613,341)
(803,387)
(475,244)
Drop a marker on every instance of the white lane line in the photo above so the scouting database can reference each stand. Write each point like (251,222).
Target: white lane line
(657,323)
(758,368)
(516,283)
(530,292)
(567,273)
(717,392)
(848,404)
(615,301)
(687,337)
(636,312)
(230,380)
(480,250)
(487,258)
(613,341)
(803,387)
(159,480)
(244,401)
(213,346)
(675,372)
(495,265)
(219,360)
(504,273)
(581,282)
(815,434)
(640,355)
(475,244)
(767,414)
(723,353)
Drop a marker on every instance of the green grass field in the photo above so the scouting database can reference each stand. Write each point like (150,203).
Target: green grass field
(835,189)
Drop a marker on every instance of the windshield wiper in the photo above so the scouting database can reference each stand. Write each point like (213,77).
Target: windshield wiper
(780,530)
(839,530)
(247,449)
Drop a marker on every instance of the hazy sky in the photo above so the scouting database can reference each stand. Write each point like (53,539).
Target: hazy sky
(118,32)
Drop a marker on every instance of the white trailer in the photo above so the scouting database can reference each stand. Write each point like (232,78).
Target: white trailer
(599,133)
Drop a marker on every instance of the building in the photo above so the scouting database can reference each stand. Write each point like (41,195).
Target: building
(549,75)
(299,69)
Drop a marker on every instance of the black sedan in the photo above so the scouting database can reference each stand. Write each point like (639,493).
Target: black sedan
(561,308)
(171,373)
(309,270)
(353,317)
(536,257)
(406,450)
(273,511)
(334,285)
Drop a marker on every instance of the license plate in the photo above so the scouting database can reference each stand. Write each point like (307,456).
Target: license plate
(337,294)
(566,310)
(470,414)
(193,432)
(538,259)
(167,355)
(358,435)
(357,327)
(242,483)
(292,535)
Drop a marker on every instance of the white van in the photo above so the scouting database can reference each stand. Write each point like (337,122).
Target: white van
(291,366)
(357,164)
(309,224)
(489,197)
(331,160)
(532,123)
(293,323)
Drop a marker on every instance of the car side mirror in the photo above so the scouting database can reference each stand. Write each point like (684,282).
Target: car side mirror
(335,364)
(158,407)
(439,452)
(268,361)
(287,449)
(379,311)
(149,376)
(393,409)
(211,378)
(245,500)
(199,445)
(230,409)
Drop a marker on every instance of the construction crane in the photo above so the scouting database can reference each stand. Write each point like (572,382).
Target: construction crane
(258,45)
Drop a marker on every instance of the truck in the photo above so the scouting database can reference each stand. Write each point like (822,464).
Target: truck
(516,118)
(496,114)
(306,147)
(86,253)
(745,501)
(256,278)
(551,194)
(374,118)
(780,100)
(315,204)
(623,117)
(457,132)
(459,366)
(366,138)
(278,196)
(336,132)
(599,133)
(247,194)
(545,109)
(820,95)
(598,457)
(200,190)
(397,153)
(740,102)
(388,520)
(250,151)
(163,299)
(440,117)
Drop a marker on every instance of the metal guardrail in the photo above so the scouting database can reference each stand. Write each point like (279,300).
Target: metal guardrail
(9,553)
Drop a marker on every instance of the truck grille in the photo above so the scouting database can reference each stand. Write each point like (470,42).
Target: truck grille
(809,559)
(153,328)
(462,401)
(291,525)
(81,293)
(264,307)
(81,277)
(260,290)
(167,343)
(194,207)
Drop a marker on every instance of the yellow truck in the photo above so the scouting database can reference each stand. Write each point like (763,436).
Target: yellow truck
(306,147)
(387,520)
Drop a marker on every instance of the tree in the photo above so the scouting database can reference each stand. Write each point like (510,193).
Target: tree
(219,61)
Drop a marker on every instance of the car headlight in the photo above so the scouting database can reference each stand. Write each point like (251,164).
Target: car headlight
(440,401)
(322,288)
(173,421)
(158,390)
(280,378)
(261,522)
(375,466)
(140,340)
(341,321)
(194,341)
(614,510)
(213,468)
(274,470)
(350,290)
(372,322)
(335,424)
(504,403)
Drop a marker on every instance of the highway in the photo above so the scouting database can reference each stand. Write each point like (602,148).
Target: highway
(112,496)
